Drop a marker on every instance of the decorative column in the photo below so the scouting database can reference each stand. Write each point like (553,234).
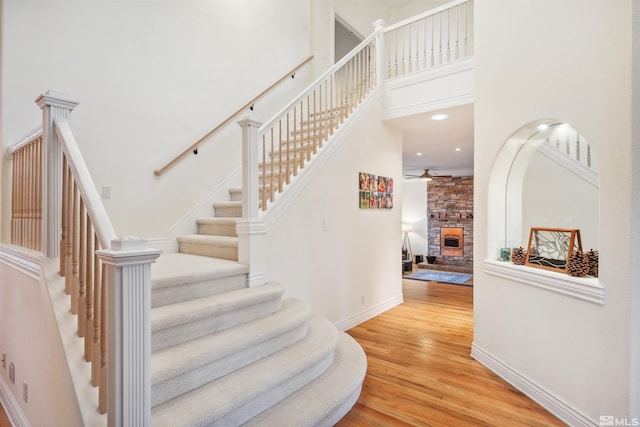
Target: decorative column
(379,30)
(128,264)
(53,105)
(250,229)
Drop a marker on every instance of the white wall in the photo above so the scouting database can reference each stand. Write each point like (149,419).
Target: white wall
(635,230)
(28,335)
(414,214)
(553,196)
(353,266)
(578,352)
(413,8)
(151,78)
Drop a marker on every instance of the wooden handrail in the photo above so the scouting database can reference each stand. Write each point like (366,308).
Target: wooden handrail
(28,138)
(94,206)
(226,121)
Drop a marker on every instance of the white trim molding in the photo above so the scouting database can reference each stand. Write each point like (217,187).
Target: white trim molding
(370,313)
(584,288)
(12,407)
(20,259)
(535,391)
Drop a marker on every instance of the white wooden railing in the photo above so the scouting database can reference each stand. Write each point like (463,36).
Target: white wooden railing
(291,138)
(567,140)
(437,37)
(56,209)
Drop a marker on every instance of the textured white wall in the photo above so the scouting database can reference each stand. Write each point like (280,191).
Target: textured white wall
(151,78)
(553,196)
(577,351)
(354,265)
(27,337)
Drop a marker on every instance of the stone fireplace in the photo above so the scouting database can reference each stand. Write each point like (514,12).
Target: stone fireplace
(450,220)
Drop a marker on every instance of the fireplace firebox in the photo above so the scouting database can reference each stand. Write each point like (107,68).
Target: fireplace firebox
(451,241)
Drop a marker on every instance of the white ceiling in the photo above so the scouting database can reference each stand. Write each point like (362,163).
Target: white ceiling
(437,141)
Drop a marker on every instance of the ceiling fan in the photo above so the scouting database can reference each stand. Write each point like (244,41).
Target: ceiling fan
(425,176)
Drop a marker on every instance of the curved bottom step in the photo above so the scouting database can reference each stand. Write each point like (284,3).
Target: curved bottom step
(327,399)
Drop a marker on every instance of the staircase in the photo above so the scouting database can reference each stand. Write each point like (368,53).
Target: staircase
(225,354)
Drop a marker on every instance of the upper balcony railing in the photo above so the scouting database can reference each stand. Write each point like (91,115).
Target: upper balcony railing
(437,37)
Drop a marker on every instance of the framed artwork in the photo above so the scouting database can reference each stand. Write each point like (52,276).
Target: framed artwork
(550,248)
(375,192)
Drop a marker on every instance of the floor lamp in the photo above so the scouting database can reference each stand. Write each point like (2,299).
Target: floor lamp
(406,245)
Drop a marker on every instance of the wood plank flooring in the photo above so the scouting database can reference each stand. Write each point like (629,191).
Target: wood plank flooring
(4,419)
(421,373)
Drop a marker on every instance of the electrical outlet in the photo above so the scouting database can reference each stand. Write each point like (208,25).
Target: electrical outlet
(12,373)
(4,360)
(25,391)
(106,192)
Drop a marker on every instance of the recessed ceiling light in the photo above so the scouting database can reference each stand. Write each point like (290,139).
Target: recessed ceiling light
(418,154)
(543,126)
(439,117)
(458,149)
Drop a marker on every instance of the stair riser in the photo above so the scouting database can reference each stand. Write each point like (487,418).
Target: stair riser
(272,396)
(223,252)
(173,294)
(235,195)
(218,229)
(228,212)
(187,331)
(202,375)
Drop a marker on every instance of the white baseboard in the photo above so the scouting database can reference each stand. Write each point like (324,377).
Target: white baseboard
(537,393)
(369,313)
(11,406)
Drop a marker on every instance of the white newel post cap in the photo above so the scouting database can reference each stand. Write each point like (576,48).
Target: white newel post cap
(379,24)
(129,250)
(249,121)
(55,99)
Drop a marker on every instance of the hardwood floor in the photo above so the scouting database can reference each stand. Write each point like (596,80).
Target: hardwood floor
(4,420)
(421,373)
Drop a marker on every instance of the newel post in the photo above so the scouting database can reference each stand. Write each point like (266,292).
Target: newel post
(128,263)
(250,229)
(53,105)
(379,30)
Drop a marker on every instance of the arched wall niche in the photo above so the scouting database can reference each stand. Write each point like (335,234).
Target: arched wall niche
(545,175)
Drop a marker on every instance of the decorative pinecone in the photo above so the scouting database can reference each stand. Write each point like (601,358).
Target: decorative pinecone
(518,256)
(578,264)
(593,262)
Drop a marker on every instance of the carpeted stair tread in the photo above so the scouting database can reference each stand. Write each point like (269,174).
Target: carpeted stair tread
(327,399)
(224,247)
(179,369)
(217,220)
(235,194)
(217,226)
(178,269)
(205,239)
(180,277)
(228,204)
(237,397)
(176,323)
